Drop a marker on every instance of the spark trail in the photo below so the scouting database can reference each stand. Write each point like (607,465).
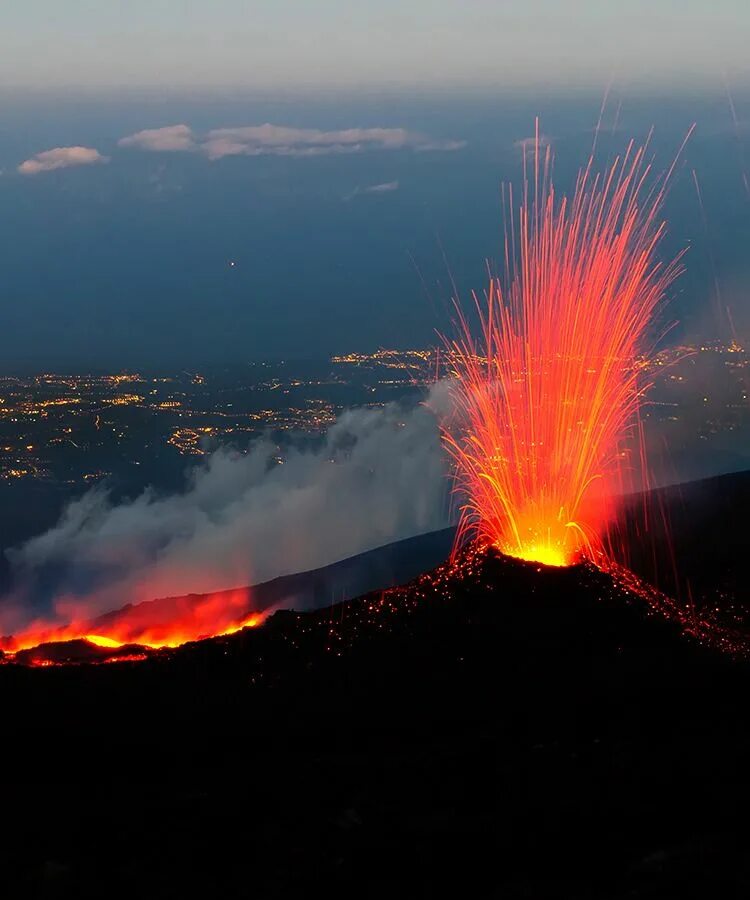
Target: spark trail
(547,388)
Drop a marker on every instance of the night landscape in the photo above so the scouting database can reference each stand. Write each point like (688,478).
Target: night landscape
(375,450)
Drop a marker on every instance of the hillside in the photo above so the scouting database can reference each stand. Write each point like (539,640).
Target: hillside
(490,729)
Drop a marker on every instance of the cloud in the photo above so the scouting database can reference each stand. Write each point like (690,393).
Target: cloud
(256,140)
(528,144)
(259,139)
(440,146)
(378,476)
(386,187)
(61,158)
(282,140)
(170,138)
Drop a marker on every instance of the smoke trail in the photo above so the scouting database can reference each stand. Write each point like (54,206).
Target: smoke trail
(379,476)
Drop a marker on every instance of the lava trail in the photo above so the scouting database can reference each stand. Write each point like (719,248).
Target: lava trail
(157,624)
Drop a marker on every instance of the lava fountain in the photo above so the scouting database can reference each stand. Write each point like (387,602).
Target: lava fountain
(547,389)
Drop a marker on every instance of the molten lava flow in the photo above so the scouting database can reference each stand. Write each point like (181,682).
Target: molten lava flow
(548,392)
(153,625)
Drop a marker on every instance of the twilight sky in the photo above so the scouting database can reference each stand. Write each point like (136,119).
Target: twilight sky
(180,186)
(312,43)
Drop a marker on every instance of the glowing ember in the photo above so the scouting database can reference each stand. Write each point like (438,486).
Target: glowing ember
(100,641)
(548,393)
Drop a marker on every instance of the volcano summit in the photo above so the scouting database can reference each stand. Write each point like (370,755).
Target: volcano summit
(492,725)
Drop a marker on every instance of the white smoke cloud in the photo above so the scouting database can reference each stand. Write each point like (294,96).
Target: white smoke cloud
(171,138)
(61,158)
(379,476)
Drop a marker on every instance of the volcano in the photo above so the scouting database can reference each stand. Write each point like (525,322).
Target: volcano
(491,728)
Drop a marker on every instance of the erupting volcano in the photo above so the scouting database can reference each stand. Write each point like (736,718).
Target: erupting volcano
(547,393)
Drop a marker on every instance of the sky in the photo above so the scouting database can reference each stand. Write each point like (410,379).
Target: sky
(46,44)
(197,183)
(189,231)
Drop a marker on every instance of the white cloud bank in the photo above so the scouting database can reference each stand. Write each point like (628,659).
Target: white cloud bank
(61,158)
(172,138)
(281,140)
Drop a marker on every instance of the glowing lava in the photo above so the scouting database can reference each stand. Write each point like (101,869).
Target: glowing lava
(542,553)
(547,393)
(152,625)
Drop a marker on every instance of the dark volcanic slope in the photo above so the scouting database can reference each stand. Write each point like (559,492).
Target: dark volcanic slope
(703,526)
(383,567)
(499,732)
(698,526)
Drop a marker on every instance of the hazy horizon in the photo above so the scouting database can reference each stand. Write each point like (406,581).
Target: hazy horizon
(334,43)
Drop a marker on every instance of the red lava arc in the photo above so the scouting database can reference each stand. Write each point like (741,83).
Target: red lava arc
(547,392)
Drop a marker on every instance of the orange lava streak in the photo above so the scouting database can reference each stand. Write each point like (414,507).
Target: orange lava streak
(176,637)
(548,392)
(215,615)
